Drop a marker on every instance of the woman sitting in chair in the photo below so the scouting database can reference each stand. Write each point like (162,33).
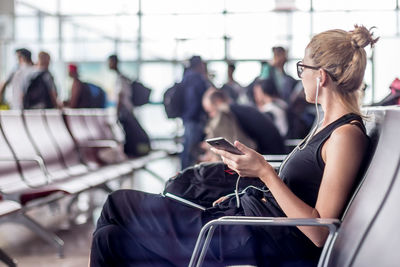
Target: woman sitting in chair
(315,181)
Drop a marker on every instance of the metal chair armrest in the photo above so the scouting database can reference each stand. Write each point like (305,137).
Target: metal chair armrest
(41,164)
(99,144)
(275,158)
(207,232)
(292,142)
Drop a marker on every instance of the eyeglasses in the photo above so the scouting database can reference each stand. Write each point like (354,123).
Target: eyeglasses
(301,66)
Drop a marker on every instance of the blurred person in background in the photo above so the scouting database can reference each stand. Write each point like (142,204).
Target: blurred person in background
(80,94)
(283,81)
(393,98)
(275,70)
(234,90)
(222,122)
(193,117)
(137,142)
(269,102)
(19,79)
(50,99)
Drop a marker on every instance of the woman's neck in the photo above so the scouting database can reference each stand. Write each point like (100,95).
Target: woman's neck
(333,108)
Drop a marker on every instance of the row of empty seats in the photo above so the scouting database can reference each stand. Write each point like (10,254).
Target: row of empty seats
(49,154)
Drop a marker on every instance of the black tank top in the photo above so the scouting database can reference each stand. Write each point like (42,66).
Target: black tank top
(303,171)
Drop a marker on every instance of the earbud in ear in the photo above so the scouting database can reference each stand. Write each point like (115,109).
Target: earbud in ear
(318,79)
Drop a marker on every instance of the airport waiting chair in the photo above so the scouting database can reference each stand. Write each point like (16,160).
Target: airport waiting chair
(367,235)
(7,208)
(106,134)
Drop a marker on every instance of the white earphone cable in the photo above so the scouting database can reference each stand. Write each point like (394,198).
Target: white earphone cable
(298,147)
(306,139)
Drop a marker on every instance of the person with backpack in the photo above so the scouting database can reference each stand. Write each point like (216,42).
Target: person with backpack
(41,92)
(193,114)
(137,142)
(84,94)
(80,93)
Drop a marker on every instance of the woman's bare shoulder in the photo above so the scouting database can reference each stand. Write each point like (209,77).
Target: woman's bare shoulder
(349,135)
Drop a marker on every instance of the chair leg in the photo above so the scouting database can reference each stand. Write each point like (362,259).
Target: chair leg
(7,259)
(106,188)
(46,235)
(71,203)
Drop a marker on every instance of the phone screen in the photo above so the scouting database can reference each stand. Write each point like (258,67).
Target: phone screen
(222,143)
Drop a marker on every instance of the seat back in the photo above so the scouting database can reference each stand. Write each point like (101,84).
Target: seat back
(20,143)
(116,130)
(57,127)
(373,125)
(76,125)
(9,172)
(109,122)
(93,124)
(369,206)
(43,140)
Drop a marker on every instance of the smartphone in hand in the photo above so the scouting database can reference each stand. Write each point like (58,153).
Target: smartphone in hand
(222,143)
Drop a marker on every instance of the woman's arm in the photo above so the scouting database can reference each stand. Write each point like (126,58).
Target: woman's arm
(343,153)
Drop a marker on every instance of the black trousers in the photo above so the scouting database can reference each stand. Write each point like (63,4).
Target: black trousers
(142,229)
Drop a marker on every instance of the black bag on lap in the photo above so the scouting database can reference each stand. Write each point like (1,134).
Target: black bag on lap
(206,182)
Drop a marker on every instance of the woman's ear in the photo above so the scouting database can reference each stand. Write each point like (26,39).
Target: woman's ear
(323,77)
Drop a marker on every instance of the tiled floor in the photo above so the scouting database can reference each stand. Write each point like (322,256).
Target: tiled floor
(36,252)
(29,250)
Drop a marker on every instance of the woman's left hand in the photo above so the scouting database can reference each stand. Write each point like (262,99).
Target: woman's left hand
(251,164)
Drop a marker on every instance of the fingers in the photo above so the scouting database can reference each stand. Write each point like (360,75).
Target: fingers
(219,200)
(241,146)
(222,153)
(232,164)
(245,149)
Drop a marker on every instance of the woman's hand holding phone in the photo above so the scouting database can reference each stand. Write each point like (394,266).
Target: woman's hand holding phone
(223,144)
(248,164)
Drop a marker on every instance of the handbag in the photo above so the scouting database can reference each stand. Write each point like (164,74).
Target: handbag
(206,182)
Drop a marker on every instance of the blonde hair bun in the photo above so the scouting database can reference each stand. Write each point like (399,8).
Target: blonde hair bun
(361,37)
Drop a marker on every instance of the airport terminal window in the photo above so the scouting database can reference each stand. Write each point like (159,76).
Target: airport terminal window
(255,5)
(75,7)
(181,7)
(164,33)
(353,5)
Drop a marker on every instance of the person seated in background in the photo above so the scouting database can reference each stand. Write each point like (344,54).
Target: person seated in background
(19,79)
(80,93)
(260,128)
(269,102)
(222,122)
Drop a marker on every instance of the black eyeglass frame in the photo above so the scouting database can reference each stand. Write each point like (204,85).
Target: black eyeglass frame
(300,71)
